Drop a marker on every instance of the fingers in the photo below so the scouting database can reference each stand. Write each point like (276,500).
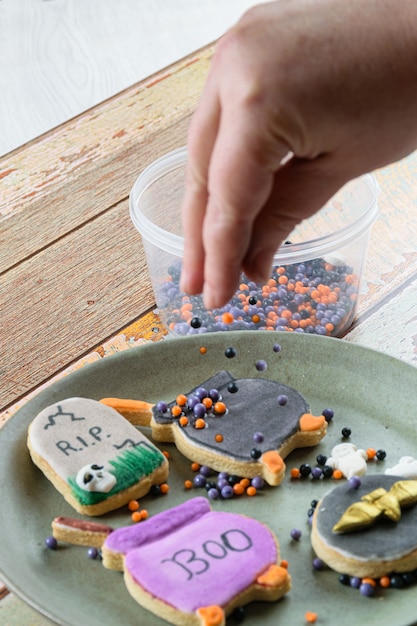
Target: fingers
(239,184)
(201,137)
(300,188)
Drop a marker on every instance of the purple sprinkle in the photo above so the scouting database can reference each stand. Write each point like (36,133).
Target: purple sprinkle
(199,410)
(227,492)
(328,414)
(92,553)
(261,365)
(162,407)
(355,582)
(366,589)
(201,393)
(214,395)
(199,480)
(295,534)
(51,543)
(205,470)
(258,482)
(282,399)
(258,437)
(316,472)
(276,347)
(318,564)
(222,482)
(192,401)
(212,493)
(354,482)
(223,476)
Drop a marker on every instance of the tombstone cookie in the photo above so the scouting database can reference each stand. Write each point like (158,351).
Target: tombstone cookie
(93,456)
(193,566)
(241,426)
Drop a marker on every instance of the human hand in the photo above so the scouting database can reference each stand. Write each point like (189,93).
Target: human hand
(302,96)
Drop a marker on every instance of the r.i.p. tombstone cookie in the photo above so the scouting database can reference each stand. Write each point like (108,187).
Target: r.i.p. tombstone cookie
(93,456)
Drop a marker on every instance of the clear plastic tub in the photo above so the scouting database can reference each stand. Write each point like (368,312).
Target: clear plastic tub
(315,277)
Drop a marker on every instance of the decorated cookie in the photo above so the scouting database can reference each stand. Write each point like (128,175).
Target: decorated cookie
(368,530)
(349,459)
(93,456)
(193,566)
(241,426)
(80,532)
(406,467)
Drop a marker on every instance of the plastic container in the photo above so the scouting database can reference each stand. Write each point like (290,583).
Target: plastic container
(315,279)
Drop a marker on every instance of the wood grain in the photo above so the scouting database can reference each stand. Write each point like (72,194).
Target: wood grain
(72,265)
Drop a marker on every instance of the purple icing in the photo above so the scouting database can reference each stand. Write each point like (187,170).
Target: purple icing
(191,557)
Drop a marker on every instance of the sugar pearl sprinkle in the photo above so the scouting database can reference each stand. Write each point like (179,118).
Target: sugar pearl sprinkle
(223,485)
(315,297)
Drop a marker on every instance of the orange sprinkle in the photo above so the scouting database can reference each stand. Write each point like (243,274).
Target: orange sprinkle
(280,270)
(238,489)
(371,453)
(188,484)
(164,488)
(199,423)
(181,400)
(187,306)
(183,420)
(144,514)
(203,350)
(133,505)
(176,411)
(369,581)
(310,617)
(219,408)
(208,402)
(385,581)
(195,467)
(136,516)
(256,319)
(243,287)
(295,472)
(283,280)
(284,563)
(166,454)
(337,474)
(251,491)
(227,318)
(245,482)
(218,437)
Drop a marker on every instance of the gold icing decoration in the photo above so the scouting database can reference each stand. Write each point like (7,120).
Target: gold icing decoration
(376,504)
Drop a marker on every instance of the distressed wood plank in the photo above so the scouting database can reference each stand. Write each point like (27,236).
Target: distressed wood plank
(147,328)
(392,329)
(68,298)
(77,171)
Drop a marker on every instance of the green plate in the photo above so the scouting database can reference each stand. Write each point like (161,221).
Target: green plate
(374,395)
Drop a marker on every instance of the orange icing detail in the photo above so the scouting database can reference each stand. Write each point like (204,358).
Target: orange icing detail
(120,404)
(310,617)
(275,576)
(273,461)
(309,422)
(211,615)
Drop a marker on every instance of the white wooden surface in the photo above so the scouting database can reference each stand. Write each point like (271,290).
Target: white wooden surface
(58,58)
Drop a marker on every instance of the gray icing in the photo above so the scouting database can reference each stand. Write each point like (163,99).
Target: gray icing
(383,541)
(252,408)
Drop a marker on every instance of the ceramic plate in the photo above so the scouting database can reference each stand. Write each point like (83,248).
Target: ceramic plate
(372,394)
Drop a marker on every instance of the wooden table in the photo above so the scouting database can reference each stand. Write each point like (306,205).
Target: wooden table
(73,280)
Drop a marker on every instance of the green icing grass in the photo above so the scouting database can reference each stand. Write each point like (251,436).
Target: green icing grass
(129,468)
